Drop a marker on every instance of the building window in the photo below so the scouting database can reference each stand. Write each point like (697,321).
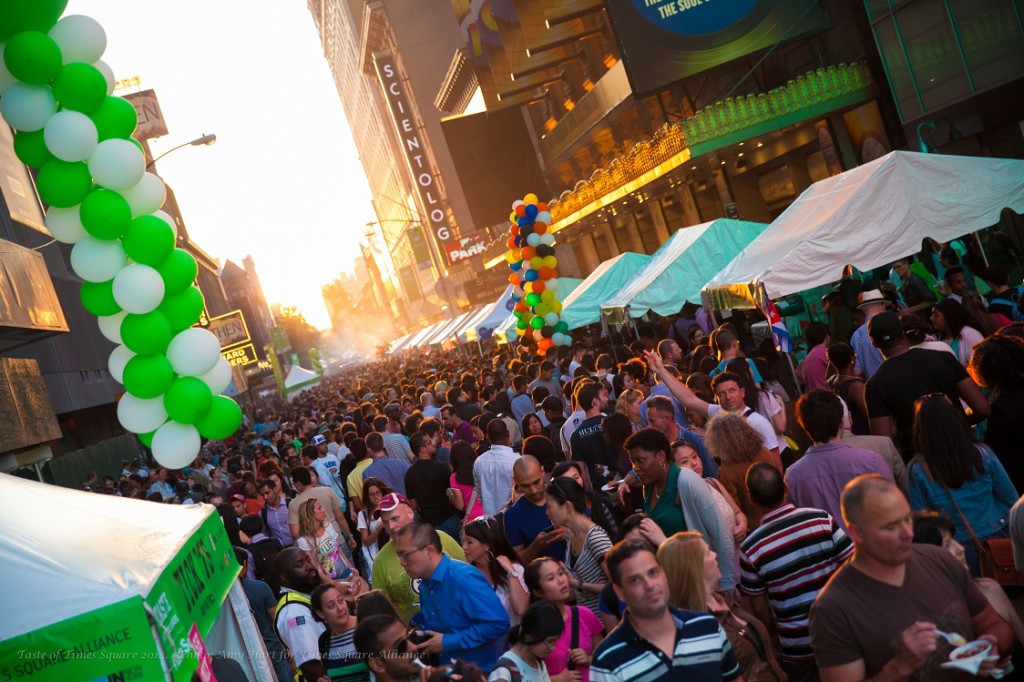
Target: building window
(939,52)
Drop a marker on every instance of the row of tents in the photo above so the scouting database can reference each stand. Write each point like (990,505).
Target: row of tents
(866,217)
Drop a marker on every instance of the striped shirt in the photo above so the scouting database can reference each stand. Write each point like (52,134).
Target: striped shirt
(791,556)
(342,662)
(587,566)
(702,653)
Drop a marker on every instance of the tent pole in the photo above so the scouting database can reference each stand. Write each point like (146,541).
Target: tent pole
(792,369)
(984,257)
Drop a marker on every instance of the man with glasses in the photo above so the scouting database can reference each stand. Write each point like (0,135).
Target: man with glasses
(460,614)
(383,642)
(389,576)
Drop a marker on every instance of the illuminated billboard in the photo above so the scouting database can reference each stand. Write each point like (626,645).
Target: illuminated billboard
(663,41)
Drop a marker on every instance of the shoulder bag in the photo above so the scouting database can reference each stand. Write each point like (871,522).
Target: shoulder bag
(995,556)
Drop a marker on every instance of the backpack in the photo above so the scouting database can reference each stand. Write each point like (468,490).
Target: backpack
(264,553)
(1011,299)
(509,665)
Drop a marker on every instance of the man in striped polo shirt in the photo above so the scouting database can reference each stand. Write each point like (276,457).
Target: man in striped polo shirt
(656,642)
(785,562)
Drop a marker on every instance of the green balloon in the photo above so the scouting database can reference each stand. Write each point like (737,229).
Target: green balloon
(148,376)
(537,322)
(146,438)
(562,327)
(187,400)
(105,214)
(80,87)
(532,299)
(63,183)
(32,15)
(32,57)
(521,325)
(182,309)
(149,240)
(178,271)
(115,118)
(147,333)
(137,144)
(98,298)
(223,419)
(31,149)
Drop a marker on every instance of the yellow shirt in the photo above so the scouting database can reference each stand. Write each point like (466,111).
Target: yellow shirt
(354,482)
(390,578)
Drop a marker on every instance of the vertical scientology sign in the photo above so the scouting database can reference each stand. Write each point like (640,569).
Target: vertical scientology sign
(409,136)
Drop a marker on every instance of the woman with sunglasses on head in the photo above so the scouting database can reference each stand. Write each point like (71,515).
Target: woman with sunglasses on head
(954,474)
(570,659)
(532,642)
(484,543)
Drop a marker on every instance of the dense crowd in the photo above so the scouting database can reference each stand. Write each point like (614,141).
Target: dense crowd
(664,510)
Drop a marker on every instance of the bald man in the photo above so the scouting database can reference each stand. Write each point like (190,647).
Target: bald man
(917,589)
(527,525)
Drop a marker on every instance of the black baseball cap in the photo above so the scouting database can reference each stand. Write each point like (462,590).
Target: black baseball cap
(885,329)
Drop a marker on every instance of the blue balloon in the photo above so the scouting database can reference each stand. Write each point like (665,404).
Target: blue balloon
(524,221)
(525,231)
(531,275)
(519,241)
(517,266)
(516,298)
(531,211)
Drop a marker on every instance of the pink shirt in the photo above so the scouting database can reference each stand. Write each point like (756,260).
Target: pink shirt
(814,367)
(467,492)
(590,625)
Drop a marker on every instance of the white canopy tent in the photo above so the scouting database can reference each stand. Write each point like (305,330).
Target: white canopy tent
(867,217)
(487,319)
(413,341)
(299,379)
(397,345)
(445,330)
(136,584)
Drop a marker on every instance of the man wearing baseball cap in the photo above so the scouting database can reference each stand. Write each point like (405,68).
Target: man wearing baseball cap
(868,358)
(389,575)
(327,468)
(908,374)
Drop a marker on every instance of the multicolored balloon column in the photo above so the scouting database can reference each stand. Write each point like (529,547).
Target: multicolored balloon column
(57,95)
(531,256)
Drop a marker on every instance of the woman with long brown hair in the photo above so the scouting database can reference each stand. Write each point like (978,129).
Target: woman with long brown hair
(318,538)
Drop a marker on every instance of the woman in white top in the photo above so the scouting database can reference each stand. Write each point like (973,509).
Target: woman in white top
(370,528)
(953,327)
(318,538)
(485,546)
(685,457)
(532,640)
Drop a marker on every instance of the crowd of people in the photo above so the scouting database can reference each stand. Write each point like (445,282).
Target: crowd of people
(664,510)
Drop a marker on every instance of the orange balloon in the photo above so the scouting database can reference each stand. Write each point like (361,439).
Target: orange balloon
(540,228)
(513,279)
(511,243)
(528,252)
(522,307)
(544,273)
(521,210)
(538,286)
(541,207)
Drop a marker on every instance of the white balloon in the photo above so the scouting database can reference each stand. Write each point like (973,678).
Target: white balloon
(97,261)
(80,38)
(64,224)
(138,288)
(6,79)
(543,217)
(26,107)
(117,164)
(119,357)
(166,217)
(141,415)
(551,319)
(547,238)
(70,136)
(193,352)
(146,196)
(218,378)
(108,75)
(176,445)
(110,325)
(533,239)
(551,285)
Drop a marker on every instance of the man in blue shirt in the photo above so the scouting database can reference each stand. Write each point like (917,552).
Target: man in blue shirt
(526,521)
(868,357)
(460,615)
(391,471)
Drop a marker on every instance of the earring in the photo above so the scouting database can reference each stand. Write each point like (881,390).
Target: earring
(662,465)
(490,555)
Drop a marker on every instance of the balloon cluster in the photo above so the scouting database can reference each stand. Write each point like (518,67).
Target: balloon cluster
(56,94)
(534,278)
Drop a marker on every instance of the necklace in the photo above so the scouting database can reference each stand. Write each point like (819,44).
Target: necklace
(657,496)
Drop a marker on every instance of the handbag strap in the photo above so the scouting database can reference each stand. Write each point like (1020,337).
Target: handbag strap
(974,538)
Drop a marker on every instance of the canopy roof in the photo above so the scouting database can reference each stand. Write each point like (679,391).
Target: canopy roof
(868,217)
(299,378)
(583,306)
(65,552)
(413,340)
(682,266)
(486,320)
(446,330)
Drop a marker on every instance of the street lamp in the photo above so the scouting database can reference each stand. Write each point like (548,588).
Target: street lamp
(204,140)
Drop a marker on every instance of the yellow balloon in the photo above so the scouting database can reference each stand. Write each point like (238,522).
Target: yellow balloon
(537,262)
(549,262)
(547,296)
(528,287)
(556,307)
(513,217)
(530,198)
(511,257)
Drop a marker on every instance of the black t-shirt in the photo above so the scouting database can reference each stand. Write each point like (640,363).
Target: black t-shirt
(427,481)
(900,381)
(1004,303)
(588,445)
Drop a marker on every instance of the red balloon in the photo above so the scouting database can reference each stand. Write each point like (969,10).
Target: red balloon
(522,307)
(515,230)
(521,210)
(540,228)
(541,207)
(528,252)
(511,243)
(544,274)
(538,286)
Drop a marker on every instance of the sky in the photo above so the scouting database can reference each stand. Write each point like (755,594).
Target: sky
(283,181)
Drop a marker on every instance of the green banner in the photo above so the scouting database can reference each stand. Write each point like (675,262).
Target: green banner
(111,643)
(191,590)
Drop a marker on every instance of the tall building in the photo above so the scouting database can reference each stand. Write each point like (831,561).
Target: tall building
(244,292)
(387,58)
